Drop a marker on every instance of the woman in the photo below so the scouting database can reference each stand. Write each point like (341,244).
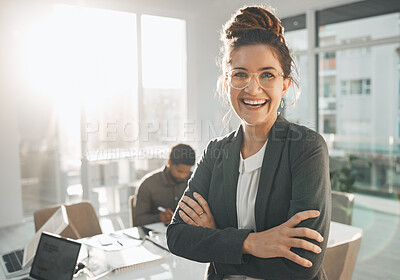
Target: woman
(258,203)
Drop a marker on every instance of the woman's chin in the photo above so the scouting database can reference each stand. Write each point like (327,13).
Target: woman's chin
(257,122)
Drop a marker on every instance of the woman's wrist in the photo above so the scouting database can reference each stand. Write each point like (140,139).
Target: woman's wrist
(246,249)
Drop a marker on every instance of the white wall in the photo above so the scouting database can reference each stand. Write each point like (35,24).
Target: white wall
(10,182)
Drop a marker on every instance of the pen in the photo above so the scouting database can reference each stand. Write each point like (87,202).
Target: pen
(161,209)
(120,243)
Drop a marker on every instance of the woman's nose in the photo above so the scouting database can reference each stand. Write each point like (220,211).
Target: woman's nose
(253,85)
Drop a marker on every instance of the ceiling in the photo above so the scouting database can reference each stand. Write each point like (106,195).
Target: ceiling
(283,8)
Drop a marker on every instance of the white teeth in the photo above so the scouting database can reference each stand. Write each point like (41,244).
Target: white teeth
(254,102)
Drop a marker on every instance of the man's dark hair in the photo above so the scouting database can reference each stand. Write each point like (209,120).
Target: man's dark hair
(182,154)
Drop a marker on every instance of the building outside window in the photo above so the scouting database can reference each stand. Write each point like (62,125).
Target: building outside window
(361,116)
(356,87)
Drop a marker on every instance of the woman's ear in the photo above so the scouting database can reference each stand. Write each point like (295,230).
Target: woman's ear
(225,84)
(286,84)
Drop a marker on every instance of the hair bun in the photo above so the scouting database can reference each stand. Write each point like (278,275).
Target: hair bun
(254,18)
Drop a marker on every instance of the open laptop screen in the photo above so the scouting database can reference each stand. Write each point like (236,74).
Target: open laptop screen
(55,258)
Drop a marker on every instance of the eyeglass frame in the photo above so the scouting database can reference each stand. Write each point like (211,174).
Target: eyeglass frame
(229,77)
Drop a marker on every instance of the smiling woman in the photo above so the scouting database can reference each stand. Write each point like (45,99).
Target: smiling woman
(257,101)
(258,203)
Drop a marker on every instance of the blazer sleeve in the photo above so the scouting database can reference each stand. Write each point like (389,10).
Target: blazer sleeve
(204,244)
(311,189)
(309,165)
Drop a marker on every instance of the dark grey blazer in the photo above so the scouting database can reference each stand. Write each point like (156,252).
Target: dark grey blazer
(294,177)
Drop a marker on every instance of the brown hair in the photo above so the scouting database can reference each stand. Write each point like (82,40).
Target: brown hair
(252,26)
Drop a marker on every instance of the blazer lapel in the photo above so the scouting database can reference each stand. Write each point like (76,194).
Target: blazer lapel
(230,167)
(272,156)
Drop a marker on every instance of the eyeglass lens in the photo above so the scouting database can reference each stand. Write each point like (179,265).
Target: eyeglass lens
(239,79)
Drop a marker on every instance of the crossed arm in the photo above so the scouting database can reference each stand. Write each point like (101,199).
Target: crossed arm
(275,242)
(294,248)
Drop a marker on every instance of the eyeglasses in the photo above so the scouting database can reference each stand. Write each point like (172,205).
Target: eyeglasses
(239,79)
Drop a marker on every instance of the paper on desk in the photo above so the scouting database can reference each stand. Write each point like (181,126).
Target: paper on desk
(159,227)
(118,242)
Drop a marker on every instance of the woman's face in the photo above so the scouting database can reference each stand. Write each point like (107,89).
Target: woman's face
(254,105)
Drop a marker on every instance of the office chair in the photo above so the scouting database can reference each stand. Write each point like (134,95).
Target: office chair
(132,205)
(342,207)
(339,261)
(83,221)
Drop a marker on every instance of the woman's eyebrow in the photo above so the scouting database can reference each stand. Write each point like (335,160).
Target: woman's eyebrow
(239,68)
(260,69)
(267,68)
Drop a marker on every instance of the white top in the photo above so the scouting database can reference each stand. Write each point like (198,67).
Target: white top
(247,186)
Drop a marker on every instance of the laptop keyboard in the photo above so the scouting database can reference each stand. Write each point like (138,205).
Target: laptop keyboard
(13,260)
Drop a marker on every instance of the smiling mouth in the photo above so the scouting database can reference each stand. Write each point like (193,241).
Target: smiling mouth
(254,103)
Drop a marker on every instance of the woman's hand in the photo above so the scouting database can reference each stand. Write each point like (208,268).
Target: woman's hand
(196,213)
(277,241)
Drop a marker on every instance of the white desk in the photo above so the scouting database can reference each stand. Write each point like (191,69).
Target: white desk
(341,233)
(174,267)
(170,267)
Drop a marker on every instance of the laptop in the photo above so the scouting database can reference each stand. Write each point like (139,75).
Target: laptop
(55,258)
(18,262)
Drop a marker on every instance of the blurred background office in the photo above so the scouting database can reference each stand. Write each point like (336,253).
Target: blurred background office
(94,93)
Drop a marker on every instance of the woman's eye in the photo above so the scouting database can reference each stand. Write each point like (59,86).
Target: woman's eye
(266,75)
(240,75)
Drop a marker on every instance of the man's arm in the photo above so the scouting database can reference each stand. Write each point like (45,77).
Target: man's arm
(143,215)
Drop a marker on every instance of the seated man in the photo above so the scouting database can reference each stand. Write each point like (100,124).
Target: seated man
(160,191)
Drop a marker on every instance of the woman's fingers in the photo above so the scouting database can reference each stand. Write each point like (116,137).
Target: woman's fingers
(297,259)
(301,216)
(186,218)
(306,232)
(203,203)
(194,205)
(189,212)
(304,244)
(198,211)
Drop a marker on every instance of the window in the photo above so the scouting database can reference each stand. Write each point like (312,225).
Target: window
(100,120)
(336,26)
(351,54)
(356,87)
(297,39)
(329,86)
(328,61)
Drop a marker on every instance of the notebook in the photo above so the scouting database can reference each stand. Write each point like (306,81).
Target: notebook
(126,256)
(133,258)
(17,262)
(55,258)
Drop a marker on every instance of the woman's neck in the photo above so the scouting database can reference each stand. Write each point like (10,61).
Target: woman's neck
(254,137)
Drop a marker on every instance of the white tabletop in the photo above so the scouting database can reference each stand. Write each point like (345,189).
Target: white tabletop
(168,268)
(341,233)
(173,267)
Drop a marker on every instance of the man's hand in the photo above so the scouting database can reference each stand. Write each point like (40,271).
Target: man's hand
(166,216)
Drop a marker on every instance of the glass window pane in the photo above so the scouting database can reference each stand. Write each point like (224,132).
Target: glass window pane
(358,31)
(163,52)
(296,110)
(297,40)
(89,65)
(164,91)
(361,123)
